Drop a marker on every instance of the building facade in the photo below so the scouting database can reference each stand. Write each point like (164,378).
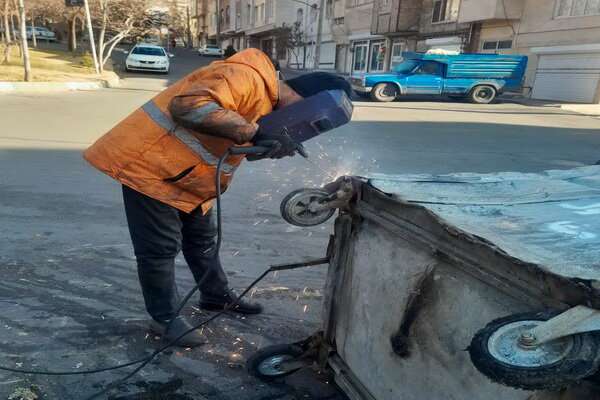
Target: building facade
(404,25)
(560,37)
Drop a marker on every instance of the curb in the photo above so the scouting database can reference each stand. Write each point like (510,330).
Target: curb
(592,110)
(110,81)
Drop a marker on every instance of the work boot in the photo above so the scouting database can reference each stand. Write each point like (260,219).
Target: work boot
(215,302)
(176,329)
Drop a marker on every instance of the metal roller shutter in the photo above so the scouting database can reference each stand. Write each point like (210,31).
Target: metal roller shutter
(567,77)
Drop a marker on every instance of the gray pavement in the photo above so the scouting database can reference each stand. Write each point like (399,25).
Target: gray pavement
(70,292)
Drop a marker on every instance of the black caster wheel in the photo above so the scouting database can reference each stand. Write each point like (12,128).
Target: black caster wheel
(301,207)
(268,363)
(497,352)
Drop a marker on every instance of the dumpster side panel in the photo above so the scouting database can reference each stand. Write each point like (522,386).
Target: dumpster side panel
(379,278)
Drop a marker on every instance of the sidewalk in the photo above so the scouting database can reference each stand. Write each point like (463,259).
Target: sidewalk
(588,109)
(54,68)
(592,110)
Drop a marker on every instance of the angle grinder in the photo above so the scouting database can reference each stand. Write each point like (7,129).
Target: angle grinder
(304,120)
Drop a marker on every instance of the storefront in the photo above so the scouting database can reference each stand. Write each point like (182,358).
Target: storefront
(376,55)
(369,55)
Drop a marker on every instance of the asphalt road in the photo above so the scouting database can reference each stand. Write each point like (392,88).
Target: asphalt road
(70,294)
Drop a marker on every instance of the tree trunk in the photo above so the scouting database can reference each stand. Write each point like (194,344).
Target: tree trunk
(15,26)
(189,28)
(7,33)
(7,29)
(33,33)
(91,35)
(25,49)
(73,33)
(101,44)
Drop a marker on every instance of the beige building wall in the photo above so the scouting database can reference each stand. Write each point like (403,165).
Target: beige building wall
(538,27)
(436,31)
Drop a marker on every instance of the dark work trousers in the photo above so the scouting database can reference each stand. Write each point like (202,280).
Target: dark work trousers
(158,232)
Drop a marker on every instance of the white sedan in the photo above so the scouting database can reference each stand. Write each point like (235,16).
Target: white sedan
(148,57)
(210,50)
(40,34)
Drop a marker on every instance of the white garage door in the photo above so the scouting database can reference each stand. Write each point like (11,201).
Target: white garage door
(567,77)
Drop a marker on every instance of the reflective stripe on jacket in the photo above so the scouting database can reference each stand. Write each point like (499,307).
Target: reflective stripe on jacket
(150,153)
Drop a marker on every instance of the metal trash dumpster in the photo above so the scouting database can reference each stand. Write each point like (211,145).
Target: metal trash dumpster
(419,264)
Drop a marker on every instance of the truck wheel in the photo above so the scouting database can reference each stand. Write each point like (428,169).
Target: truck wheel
(384,92)
(483,94)
(497,353)
(266,364)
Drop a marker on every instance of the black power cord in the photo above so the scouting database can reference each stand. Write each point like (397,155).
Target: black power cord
(145,360)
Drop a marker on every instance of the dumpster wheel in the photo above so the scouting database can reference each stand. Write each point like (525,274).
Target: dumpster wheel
(304,207)
(276,361)
(497,353)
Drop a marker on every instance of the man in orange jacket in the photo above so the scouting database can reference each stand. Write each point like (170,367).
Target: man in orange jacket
(165,155)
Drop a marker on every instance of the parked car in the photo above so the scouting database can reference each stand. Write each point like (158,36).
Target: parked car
(40,34)
(210,50)
(477,77)
(148,57)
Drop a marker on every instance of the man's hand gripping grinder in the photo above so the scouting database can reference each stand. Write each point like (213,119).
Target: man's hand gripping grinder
(305,119)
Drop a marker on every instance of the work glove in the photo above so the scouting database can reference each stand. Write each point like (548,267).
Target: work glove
(280,145)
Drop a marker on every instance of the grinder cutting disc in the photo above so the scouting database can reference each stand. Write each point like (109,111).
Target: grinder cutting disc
(303,207)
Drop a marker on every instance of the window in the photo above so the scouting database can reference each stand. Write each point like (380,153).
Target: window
(227,15)
(329,9)
(149,51)
(314,13)
(338,21)
(396,54)
(444,11)
(269,10)
(495,45)
(359,63)
(255,15)
(429,68)
(248,14)
(378,52)
(238,15)
(300,16)
(577,8)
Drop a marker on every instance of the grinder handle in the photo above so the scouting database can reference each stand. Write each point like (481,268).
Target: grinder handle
(255,150)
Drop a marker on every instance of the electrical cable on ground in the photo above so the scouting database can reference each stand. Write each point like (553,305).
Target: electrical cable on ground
(145,360)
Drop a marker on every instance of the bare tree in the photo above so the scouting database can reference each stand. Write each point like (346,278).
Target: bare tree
(24,46)
(288,39)
(178,22)
(6,16)
(118,19)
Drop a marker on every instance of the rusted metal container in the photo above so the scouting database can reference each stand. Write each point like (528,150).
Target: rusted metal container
(419,264)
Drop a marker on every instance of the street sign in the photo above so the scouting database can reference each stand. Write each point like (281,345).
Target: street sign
(74,3)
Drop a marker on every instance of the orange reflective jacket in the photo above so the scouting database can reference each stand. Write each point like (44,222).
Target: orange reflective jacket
(148,152)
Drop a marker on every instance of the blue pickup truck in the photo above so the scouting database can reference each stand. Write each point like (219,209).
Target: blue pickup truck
(477,77)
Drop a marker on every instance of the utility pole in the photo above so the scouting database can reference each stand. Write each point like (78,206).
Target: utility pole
(88,18)
(319,35)
(25,48)
(218,36)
